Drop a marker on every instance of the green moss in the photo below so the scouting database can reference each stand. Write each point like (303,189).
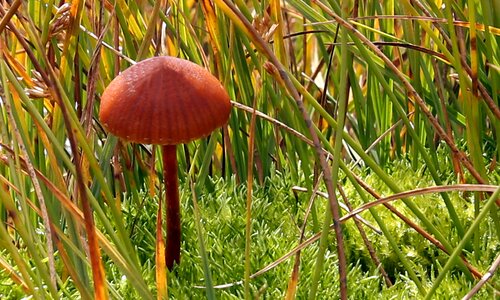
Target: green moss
(276,219)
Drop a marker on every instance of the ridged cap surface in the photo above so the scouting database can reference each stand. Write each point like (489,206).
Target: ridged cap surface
(164,100)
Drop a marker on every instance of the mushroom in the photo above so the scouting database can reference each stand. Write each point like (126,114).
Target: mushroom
(166,101)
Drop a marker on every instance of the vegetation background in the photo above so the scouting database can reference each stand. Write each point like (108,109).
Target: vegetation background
(360,159)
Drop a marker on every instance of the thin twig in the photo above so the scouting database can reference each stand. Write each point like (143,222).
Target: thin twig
(487,276)
(342,205)
(292,283)
(368,244)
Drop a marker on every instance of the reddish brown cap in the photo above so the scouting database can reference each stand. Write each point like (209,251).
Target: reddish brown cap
(164,100)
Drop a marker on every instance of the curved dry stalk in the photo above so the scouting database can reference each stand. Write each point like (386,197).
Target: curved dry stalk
(294,278)
(368,244)
(423,191)
(108,46)
(278,123)
(487,276)
(316,237)
(342,205)
(465,24)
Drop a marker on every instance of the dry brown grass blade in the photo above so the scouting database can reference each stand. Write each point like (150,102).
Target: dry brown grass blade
(441,92)
(487,276)
(10,13)
(358,220)
(68,264)
(12,273)
(343,206)
(100,287)
(366,241)
(277,262)
(476,273)
(465,24)
(93,73)
(423,191)
(279,124)
(294,278)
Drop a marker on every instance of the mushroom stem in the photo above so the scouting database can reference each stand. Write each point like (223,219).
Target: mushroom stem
(173,220)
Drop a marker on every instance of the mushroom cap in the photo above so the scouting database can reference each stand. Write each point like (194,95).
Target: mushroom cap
(164,100)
